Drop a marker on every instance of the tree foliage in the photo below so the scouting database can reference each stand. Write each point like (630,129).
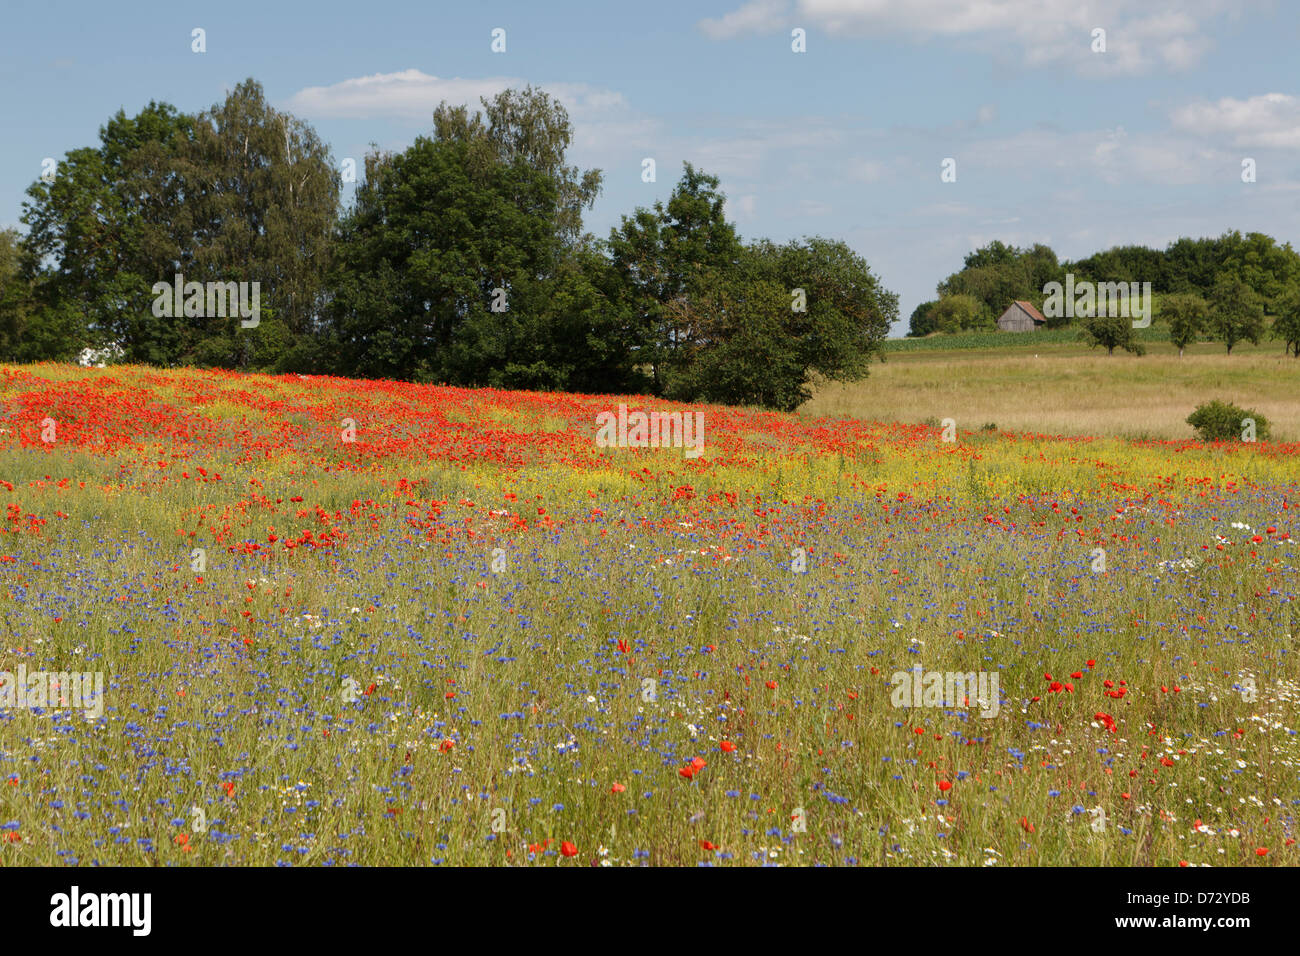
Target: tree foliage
(1185,314)
(1236,312)
(1111,332)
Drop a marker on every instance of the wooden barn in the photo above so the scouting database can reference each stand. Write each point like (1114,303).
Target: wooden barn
(1021,316)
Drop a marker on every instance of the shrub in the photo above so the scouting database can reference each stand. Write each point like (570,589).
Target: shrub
(1223,421)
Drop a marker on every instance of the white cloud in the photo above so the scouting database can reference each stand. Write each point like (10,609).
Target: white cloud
(755,16)
(409,94)
(1140,34)
(601,118)
(412,94)
(1268,120)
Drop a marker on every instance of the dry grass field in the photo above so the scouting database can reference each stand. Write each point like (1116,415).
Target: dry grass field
(1072,390)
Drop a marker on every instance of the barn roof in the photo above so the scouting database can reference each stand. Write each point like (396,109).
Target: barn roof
(1029,307)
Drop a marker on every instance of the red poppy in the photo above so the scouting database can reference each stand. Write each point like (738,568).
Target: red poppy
(771,685)
(706,845)
(617,788)
(945,785)
(726,746)
(568,849)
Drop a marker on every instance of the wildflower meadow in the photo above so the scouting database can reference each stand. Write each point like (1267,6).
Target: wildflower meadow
(304,620)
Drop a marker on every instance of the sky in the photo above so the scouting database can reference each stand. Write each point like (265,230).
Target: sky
(1058,134)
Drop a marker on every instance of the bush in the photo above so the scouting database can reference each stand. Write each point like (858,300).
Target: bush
(1223,421)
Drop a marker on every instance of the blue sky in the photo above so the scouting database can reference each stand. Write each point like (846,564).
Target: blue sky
(1053,141)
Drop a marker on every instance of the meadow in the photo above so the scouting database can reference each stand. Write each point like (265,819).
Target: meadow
(345,622)
(1048,383)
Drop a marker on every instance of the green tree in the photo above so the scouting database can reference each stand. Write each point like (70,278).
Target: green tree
(1263,265)
(1236,312)
(460,262)
(18,341)
(956,313)
(1287,324)
(922,323)
(1185,314)
(262,199)
(526,126)
(836,313)
(109,225)
(661,257)
(743,358)
(1111,332)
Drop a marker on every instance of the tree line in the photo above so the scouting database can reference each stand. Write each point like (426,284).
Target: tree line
(460,260)
(1233,288)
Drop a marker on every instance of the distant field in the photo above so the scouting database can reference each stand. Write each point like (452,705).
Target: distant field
(1009,340)
(1044,382)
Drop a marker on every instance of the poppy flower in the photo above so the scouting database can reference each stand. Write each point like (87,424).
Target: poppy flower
(617,788)
(568,849)
(945,785)
(1028,827)
(706,845)
(771,685)
(726,746)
